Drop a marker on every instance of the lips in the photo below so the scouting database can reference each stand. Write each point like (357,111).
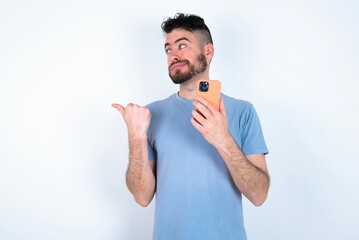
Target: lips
(177,65)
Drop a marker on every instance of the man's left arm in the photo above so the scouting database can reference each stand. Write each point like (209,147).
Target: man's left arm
(250,173)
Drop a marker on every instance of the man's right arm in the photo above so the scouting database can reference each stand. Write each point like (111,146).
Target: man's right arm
(140,175)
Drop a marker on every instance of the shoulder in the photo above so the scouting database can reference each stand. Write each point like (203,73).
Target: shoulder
(237,105)
(161,108)
(161,103)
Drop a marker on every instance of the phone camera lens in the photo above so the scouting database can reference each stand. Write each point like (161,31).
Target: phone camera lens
(203,86)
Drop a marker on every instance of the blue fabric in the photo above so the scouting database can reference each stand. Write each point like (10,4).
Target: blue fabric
(196,197)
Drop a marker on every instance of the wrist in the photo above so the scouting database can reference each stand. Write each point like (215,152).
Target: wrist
(137,137)
(225,141)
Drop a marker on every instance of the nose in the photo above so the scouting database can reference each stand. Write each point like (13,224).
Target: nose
(173,56)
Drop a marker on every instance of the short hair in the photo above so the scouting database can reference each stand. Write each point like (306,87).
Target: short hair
(188,22)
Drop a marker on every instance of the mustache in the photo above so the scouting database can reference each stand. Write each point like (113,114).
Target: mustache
(180,61)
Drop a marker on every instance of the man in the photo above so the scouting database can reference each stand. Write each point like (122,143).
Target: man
(199,165)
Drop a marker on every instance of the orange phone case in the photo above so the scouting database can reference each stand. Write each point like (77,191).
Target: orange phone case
(213,93)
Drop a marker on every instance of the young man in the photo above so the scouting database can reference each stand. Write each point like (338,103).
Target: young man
(198,165)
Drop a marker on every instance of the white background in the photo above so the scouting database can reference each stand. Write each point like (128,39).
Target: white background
(63,149)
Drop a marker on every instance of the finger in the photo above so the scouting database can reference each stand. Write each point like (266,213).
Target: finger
(197,125)
(222,108)
(206,104)
(119,107)
(202,109)
(198,116)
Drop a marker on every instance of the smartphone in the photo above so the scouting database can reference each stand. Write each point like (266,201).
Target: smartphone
(210,90)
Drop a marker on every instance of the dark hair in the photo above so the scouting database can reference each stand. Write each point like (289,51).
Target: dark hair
(189,22)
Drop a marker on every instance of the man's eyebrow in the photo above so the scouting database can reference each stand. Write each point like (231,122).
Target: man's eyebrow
(180,39)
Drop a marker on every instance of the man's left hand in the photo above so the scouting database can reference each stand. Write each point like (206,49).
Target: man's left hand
(212,124)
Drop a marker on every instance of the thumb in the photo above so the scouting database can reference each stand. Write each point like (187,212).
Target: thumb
(119,107)
(222,109)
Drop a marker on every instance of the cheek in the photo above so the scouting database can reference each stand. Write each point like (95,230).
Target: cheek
(169,61)
(192,57)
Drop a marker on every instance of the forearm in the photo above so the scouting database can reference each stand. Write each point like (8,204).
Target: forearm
(252,181)
(140,178)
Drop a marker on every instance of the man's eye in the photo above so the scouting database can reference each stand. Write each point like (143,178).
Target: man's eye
(181,46)
(168,51)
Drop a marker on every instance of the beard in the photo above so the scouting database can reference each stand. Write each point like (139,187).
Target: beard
(180,77)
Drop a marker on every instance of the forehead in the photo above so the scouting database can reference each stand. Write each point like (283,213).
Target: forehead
(178,34)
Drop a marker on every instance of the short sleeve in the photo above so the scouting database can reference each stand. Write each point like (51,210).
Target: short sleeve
(252,138)
(152,154)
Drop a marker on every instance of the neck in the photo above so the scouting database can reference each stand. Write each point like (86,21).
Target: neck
(188,88)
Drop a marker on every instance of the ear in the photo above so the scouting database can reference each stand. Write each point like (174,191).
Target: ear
(209,51)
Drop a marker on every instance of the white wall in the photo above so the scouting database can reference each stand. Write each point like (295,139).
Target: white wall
(63,149)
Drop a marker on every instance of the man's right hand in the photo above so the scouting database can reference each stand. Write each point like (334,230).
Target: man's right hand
(140,175)
(137,119)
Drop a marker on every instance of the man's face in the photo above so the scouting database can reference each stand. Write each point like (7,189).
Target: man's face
(185,57)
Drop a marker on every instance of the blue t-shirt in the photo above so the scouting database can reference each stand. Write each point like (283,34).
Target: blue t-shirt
(196,197)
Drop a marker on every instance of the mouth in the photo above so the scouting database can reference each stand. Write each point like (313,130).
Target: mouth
(178,65)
